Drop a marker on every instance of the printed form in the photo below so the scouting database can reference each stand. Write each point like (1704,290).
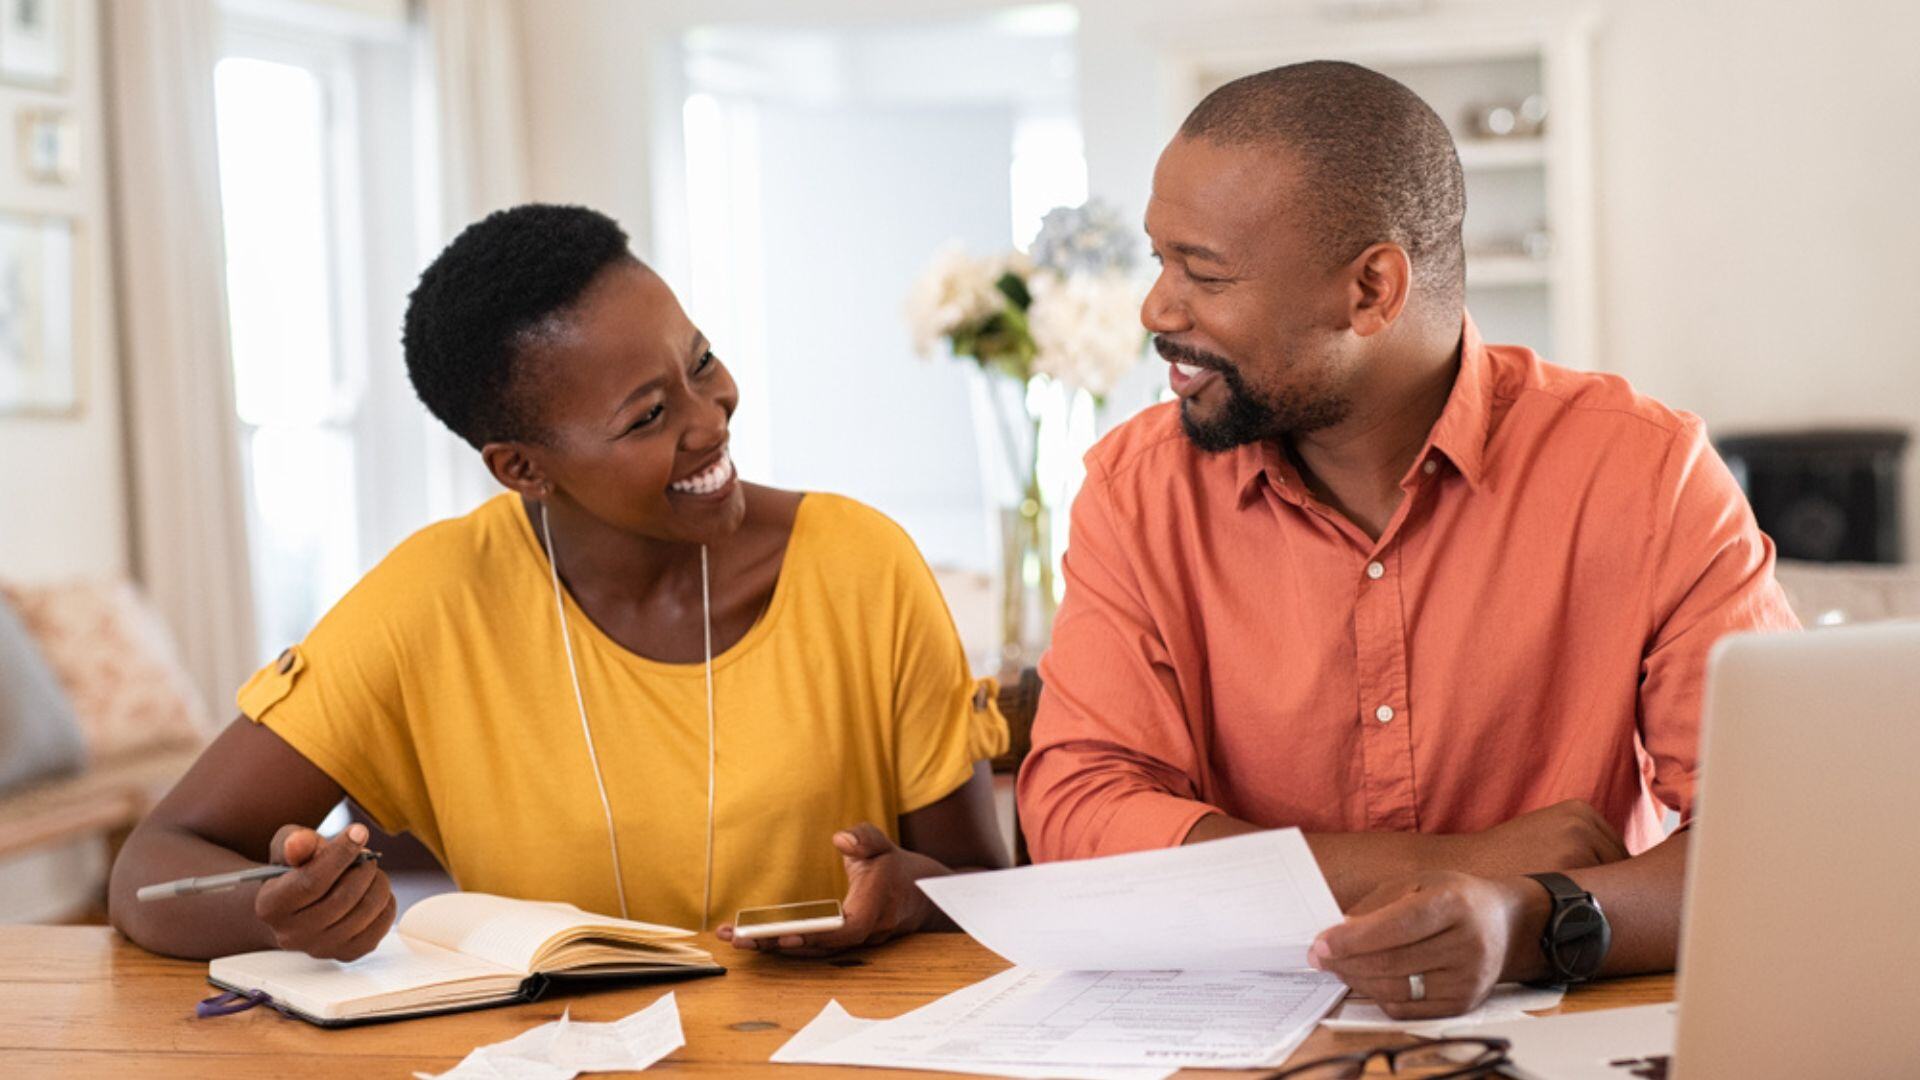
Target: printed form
(1133,965)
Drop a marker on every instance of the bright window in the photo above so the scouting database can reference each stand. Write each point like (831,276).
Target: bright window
(295,392)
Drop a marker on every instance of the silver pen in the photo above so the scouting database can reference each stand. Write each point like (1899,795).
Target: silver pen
(193,886)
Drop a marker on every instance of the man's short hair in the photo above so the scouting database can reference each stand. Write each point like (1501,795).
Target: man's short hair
(1378,165)
(482,300)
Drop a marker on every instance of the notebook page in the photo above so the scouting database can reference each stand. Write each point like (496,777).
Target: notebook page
(511,932)
(398,971)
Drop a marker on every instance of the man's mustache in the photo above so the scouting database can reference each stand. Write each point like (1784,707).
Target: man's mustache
(1185,354)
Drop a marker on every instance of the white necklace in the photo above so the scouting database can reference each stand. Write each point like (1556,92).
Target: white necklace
(586,729)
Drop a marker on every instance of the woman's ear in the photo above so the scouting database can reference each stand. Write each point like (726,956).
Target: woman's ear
(515,468)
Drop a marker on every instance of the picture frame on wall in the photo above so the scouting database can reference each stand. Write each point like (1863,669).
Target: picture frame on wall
(38,371)
(49,146)
(33,42)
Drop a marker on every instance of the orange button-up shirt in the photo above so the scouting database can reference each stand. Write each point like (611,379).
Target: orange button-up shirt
(1533,625)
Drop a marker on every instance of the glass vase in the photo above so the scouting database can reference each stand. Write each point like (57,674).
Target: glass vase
(1027,598)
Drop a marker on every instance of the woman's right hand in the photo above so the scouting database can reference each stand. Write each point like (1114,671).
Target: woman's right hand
(330,906)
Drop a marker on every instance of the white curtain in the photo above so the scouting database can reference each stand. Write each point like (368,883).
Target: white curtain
(189,500)
(475,162)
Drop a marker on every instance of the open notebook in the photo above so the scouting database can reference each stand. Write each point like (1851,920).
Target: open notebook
(461,951)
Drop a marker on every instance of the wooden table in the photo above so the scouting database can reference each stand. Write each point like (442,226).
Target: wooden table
(82,1001)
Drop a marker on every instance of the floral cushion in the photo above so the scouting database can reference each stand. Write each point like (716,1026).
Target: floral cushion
(115,659)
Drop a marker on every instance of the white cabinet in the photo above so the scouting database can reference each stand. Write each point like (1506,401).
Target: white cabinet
(1529,229)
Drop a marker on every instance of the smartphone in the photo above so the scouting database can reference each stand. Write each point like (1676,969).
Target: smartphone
(811,917)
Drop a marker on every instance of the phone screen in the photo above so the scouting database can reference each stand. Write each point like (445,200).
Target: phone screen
(781,913)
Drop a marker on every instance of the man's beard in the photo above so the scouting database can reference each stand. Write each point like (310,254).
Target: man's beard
(1247,417)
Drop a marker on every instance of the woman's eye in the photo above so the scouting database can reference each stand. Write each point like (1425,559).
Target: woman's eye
(652,415)
(707,360)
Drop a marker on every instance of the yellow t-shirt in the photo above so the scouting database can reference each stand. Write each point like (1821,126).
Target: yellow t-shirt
(437,694)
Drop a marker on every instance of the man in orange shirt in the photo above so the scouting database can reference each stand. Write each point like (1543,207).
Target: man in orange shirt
(1441,605)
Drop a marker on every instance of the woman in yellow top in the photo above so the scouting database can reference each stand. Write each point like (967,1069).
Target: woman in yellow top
(632,682)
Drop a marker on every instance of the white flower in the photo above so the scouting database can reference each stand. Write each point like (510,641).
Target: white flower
(955,291)
(1086,328)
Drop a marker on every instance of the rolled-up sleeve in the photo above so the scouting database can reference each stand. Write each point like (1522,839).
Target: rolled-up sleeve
(1714,577)
(1113,766)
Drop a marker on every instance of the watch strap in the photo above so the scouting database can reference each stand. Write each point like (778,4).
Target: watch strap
(1566,893)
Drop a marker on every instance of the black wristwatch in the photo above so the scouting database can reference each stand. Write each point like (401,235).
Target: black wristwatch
(1577,935)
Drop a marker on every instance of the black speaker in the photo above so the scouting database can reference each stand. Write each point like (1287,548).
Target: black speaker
(1825,496)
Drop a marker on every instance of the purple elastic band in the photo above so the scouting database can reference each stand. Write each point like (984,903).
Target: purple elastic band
(230,1002)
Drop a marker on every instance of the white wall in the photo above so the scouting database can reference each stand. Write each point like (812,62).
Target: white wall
(585,75)
(847,194)
(63,489)
(1759,165)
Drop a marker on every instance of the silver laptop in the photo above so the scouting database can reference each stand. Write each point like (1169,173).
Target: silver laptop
(1800,955)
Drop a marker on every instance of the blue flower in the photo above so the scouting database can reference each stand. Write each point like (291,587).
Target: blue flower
(1084,239)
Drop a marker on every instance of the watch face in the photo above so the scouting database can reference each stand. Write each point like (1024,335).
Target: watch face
(1580,937)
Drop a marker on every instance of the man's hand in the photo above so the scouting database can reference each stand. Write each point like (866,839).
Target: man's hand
(1568,835)
(1462,934)
(882,900)
(330,907)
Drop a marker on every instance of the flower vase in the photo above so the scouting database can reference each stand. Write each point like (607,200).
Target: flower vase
(1027,602)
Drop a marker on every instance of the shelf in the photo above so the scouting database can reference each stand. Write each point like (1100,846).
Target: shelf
(1483,154)
(1499,270)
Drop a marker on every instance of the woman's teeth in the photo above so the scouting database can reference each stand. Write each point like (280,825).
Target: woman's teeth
(1190,370)
(708,482)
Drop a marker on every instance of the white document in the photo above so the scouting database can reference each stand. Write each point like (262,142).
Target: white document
(1085,1023)
(565,1048)
(815,1045)
(1247,903)
(1509,1001)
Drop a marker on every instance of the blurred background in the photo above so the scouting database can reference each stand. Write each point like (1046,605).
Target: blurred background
(211,213)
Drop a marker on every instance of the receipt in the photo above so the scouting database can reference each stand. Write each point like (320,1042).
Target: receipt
(565,1048)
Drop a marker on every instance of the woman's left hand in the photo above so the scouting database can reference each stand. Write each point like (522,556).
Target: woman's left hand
(883,901)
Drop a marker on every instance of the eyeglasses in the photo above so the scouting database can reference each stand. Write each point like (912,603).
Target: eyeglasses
(1459,1057)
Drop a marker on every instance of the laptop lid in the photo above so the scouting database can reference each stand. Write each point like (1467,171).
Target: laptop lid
(1801,950)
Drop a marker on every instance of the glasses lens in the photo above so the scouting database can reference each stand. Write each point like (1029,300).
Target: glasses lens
(1448,1052)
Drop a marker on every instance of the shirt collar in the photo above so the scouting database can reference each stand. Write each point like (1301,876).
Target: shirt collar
(1460,433)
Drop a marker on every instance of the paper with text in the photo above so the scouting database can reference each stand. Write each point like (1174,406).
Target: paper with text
(1080,1020)
(815,1044)
(1247,903)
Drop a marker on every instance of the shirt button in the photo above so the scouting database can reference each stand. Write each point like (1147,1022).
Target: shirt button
(1430,467)
(1376,571)
(1384,714)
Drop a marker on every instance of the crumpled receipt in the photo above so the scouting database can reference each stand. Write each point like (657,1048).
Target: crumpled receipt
(1509,1001)
(564,1048)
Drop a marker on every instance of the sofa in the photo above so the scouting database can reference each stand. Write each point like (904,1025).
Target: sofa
(97,721)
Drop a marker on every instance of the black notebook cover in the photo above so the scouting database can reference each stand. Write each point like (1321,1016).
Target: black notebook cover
(532,988)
